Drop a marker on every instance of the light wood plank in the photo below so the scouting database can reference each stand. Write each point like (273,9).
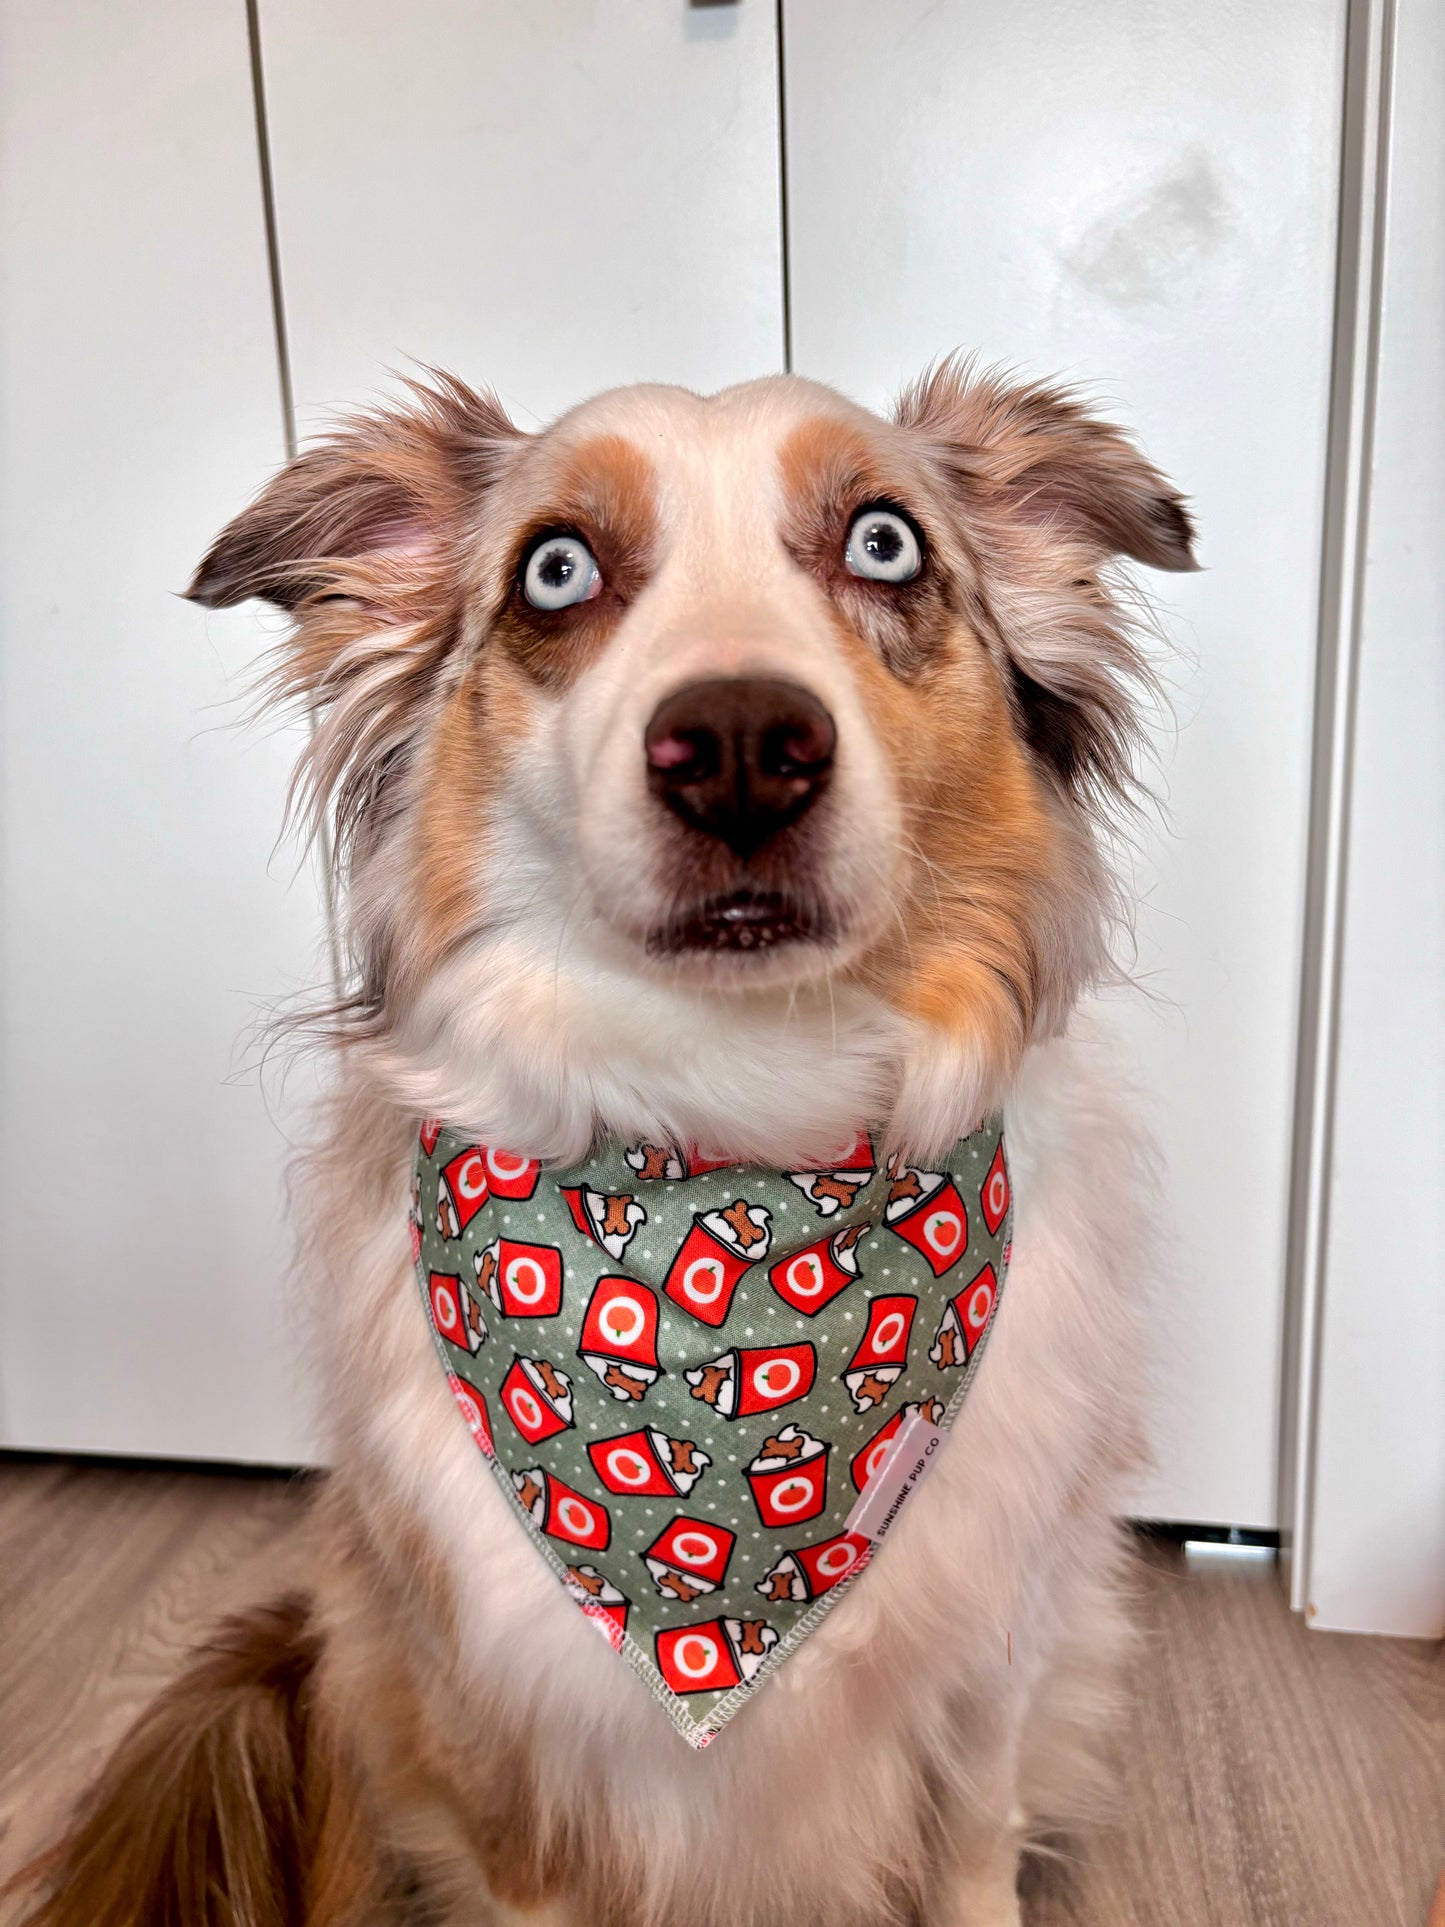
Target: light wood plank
(1270,1775)
(108,1578)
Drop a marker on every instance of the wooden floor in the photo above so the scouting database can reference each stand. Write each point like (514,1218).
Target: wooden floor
(1273,1777)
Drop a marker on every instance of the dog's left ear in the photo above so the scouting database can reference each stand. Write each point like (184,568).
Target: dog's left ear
(1037,455)
(1049,495)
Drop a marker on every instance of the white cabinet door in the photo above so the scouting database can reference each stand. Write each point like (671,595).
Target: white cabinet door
(1371,1538)
(550,198)
(1141,196)
(144,920)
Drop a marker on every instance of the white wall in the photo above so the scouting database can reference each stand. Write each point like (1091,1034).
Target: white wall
(1376,1552)
(553,199)
(545,198)
(146,921)
(1140,196)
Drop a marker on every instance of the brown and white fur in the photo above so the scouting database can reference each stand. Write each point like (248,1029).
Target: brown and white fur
(516,906)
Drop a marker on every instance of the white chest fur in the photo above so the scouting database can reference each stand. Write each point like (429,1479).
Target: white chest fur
(923,1686)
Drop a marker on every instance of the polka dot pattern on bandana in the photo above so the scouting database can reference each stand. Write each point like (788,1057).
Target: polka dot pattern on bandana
(685,1372)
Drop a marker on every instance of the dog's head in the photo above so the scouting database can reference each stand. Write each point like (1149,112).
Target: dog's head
(726,770)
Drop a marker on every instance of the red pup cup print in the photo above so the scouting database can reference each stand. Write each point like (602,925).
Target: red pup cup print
(858,1156)
(810,1571)
(562,1513)
(718,1249)
(836,1188)
(754,1378)
(652,1162)
(689,1558)
(699,1163)
(455,1313)
(613,1219)
(522,1280)
(537,1398)
(571,1196)
(964,1321)
(870,1458)
(609,1219)
(925,1210)
(431,1130)
(648,1464)
(993,1199)
(619,1337)
(462,1190)
(473,1408)
(789,1477)
(882,1352)
(656,1162)
(714,1656)
(510,1176)
(603,1604)
(814,1276)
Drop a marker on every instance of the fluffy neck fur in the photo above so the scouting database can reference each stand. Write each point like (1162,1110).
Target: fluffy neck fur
(507,1044)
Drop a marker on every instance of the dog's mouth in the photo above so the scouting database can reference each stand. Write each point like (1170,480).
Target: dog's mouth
(744,921)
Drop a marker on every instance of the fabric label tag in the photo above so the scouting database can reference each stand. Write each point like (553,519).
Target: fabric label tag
(893,1484)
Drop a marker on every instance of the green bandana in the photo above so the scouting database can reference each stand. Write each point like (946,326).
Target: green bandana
(708,1388)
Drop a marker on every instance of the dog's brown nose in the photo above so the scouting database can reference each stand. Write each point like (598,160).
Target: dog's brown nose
(740,757)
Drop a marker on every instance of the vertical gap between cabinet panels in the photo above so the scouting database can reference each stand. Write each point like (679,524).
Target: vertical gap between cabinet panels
(1364,186)
(324,849)
(784,236)
(273,250)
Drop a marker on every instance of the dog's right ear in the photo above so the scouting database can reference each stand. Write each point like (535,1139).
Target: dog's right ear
(374,506)
(361,540)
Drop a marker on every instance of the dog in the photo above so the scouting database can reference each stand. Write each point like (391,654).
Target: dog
(737,771)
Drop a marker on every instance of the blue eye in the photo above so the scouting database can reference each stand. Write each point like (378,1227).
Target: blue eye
(882,547)
(560,571)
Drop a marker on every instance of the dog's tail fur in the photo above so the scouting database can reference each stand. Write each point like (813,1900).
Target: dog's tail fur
(230,1803)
